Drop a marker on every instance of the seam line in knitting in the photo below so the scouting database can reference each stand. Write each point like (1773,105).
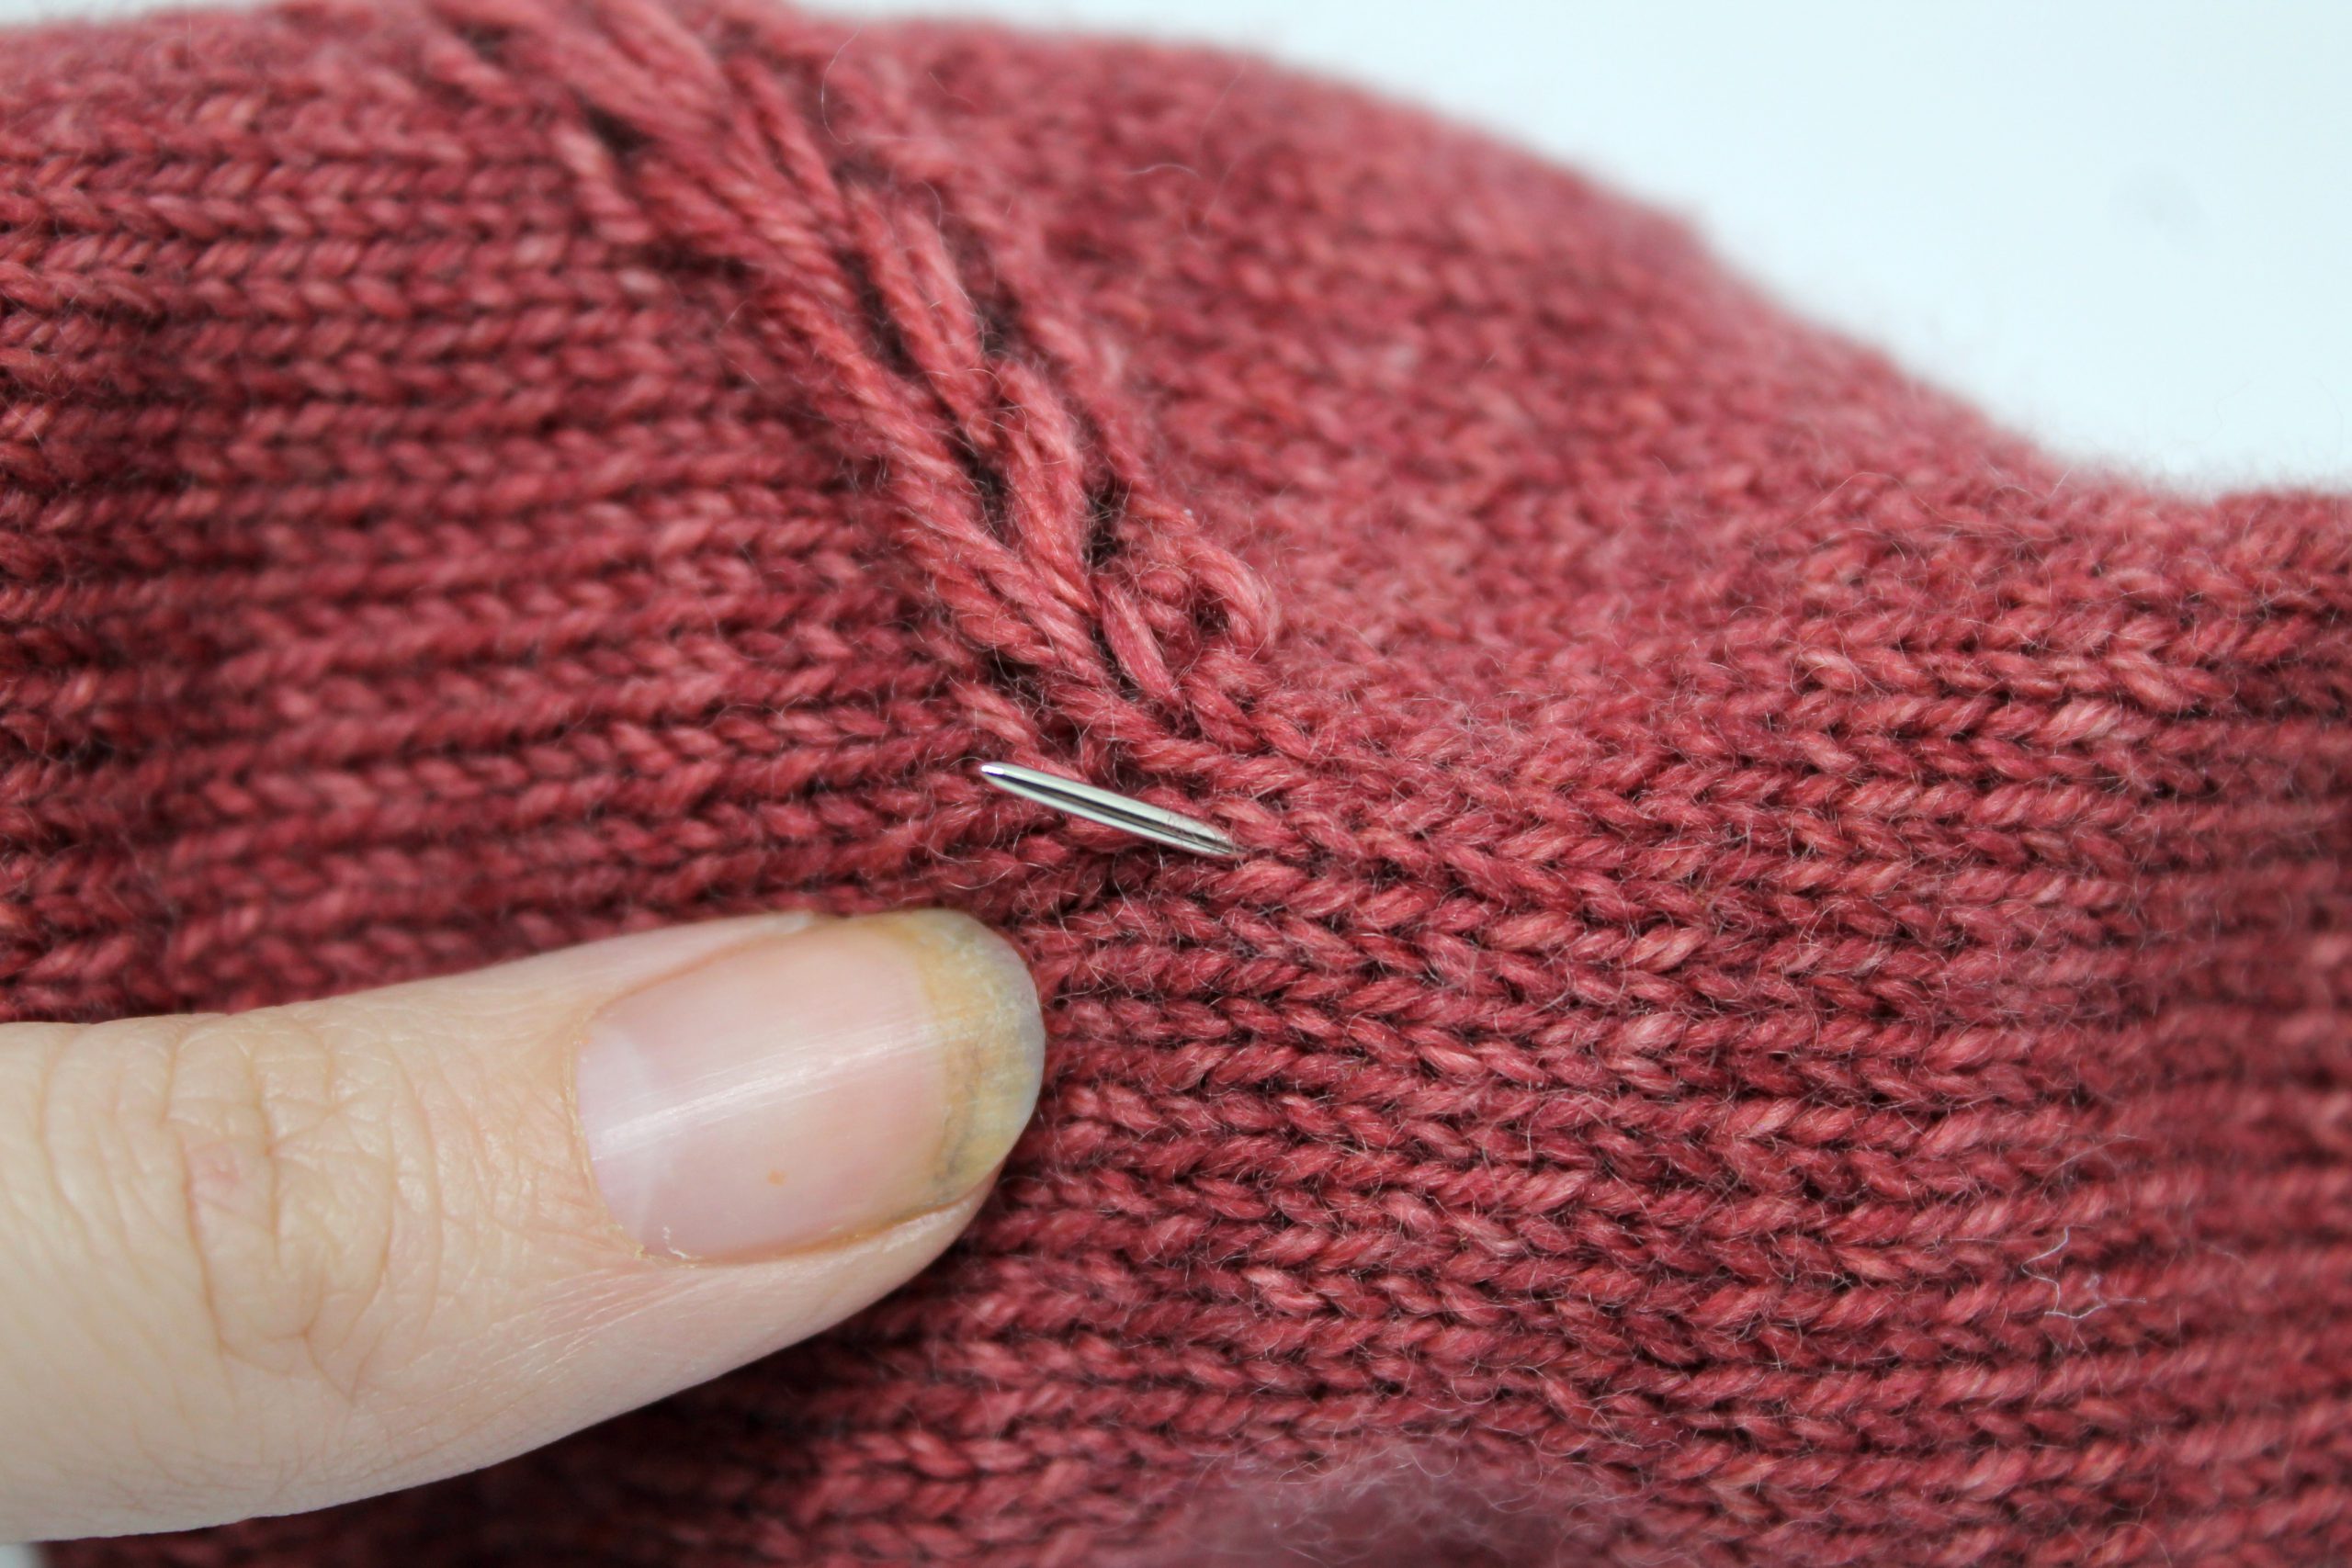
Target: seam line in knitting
(1091,615)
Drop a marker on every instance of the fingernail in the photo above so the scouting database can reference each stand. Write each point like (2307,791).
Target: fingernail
(811,1086)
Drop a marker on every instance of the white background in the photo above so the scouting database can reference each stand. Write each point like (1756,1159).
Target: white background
(2122,225)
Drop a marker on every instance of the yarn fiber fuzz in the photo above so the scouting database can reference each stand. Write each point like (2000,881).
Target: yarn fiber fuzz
(1785,1003)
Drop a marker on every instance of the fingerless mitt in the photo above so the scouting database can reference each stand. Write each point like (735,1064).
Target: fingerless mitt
(1785,997)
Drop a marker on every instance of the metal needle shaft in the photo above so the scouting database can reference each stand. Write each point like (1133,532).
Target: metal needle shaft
(1112,810)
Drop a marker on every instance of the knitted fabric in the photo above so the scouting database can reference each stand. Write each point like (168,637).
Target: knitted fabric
(1786,999)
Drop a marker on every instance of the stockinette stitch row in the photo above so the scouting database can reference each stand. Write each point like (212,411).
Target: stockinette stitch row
(1785,999)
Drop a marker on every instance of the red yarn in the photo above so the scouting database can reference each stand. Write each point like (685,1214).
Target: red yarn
(1786,1002)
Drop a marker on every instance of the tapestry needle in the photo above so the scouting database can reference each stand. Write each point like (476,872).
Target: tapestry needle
(1111,810)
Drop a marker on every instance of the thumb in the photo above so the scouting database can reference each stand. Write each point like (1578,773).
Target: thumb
(269,1262)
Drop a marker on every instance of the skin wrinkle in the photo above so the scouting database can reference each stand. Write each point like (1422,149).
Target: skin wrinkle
(223,1161)
(429,1165)
(1785,1000)
(178,1133)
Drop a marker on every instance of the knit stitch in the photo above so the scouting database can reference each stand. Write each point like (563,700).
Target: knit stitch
(1785,1000)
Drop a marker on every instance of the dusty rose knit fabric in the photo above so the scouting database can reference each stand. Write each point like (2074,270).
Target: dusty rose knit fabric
(1787,999)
